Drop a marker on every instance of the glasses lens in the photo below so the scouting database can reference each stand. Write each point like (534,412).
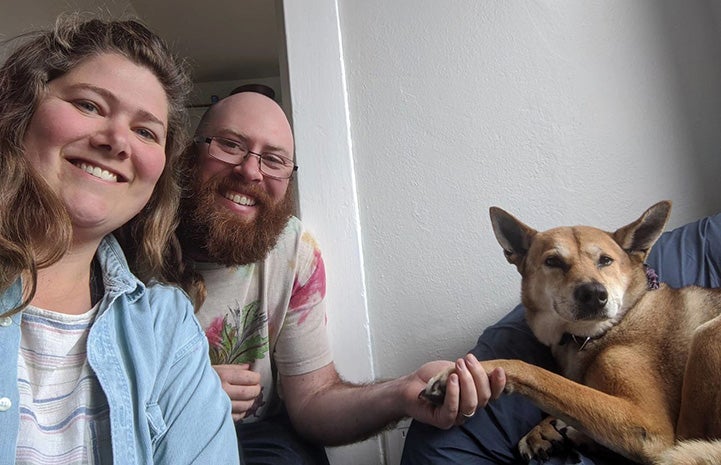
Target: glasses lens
(276,165)
(226,150)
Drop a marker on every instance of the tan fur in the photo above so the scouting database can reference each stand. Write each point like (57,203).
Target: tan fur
(650,375)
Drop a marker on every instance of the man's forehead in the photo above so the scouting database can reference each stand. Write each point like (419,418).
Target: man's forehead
(249,101)
(249,117)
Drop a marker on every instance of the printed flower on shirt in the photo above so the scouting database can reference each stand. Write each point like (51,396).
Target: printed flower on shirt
(306,296)
(239,340)
(214,333)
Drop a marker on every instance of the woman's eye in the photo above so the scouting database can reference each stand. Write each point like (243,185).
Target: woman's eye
(87,106)
(147,134)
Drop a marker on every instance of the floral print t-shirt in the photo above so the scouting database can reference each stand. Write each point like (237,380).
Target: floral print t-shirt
(269,314)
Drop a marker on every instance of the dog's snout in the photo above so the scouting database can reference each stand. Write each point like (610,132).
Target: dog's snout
(591,299)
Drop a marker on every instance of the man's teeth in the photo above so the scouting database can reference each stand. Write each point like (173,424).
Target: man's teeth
(240,199)
(98,172)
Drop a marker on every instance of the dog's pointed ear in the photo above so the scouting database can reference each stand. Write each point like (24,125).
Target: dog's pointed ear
(514,236)
(639,236)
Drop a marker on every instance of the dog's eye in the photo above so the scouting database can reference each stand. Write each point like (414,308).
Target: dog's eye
(554,262)
(605,260)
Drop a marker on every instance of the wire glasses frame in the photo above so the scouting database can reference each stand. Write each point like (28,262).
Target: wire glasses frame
(235,153)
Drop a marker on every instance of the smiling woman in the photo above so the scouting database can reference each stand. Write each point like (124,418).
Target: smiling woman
(98,139)
(91,125)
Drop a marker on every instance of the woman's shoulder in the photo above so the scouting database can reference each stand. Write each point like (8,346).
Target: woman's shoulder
(168,301)
(169,314)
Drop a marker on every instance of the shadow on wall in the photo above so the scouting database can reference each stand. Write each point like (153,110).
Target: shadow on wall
(690,27)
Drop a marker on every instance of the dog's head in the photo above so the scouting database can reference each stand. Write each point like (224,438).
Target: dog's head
(579,279)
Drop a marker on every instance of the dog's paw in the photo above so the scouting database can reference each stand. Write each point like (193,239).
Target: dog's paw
(435,390)
(579,440)
(544,440)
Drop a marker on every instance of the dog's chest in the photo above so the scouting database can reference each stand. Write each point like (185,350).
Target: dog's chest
(572,361)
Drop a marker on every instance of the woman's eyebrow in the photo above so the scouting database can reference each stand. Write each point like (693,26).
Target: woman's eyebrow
(144,114)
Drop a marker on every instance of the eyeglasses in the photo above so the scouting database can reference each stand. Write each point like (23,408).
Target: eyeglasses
(234,153)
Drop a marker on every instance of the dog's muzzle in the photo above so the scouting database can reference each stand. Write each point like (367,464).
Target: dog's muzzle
(591,299)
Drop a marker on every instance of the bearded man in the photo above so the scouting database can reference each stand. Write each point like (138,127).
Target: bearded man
(259,295)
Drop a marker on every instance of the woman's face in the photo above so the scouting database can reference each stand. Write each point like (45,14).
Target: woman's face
(98,139)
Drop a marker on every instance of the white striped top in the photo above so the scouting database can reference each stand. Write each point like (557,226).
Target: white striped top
(64,415)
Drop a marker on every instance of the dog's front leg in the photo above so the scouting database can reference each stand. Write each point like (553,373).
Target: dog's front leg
(631,422)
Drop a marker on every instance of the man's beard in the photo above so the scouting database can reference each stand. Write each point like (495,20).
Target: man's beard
(223,236)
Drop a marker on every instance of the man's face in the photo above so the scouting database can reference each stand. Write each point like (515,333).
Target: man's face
(236,213)
(260,124)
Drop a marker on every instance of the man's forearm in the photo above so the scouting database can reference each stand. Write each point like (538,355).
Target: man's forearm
(345,413)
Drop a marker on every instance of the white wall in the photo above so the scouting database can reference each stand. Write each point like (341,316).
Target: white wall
(315,81)
(562,112)
(44,14)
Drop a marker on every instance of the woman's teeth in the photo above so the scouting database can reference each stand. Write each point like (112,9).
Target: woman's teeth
(98,172)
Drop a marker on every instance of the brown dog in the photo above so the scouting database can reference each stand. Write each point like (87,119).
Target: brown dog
(641,366)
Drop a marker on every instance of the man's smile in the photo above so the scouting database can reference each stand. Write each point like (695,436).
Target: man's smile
(240,199)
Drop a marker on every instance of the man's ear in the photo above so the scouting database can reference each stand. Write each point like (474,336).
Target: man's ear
(639,236)
(513,236)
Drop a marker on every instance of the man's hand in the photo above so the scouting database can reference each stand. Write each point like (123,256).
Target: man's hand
(467,390)
(332,412)
(242,386)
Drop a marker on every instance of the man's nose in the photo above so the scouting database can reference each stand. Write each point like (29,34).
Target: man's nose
(249,168)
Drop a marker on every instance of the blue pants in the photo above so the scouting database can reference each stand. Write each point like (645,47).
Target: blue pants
(273,441)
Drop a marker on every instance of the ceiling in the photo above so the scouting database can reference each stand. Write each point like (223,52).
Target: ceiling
(222,39)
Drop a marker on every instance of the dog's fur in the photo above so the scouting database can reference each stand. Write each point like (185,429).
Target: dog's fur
(641,367)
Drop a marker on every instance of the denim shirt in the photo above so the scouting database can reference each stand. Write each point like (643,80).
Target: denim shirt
(151,359)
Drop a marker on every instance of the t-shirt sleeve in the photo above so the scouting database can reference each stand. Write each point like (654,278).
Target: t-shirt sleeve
(303,344)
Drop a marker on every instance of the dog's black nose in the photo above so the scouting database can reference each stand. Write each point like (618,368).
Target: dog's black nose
(591,298)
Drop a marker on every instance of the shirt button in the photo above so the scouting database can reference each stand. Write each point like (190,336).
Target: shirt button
(6,321)
(5,404)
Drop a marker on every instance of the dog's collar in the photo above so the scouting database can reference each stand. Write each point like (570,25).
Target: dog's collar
(651,278)
(580,341)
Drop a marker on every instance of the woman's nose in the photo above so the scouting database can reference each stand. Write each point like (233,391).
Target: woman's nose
(113,138)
